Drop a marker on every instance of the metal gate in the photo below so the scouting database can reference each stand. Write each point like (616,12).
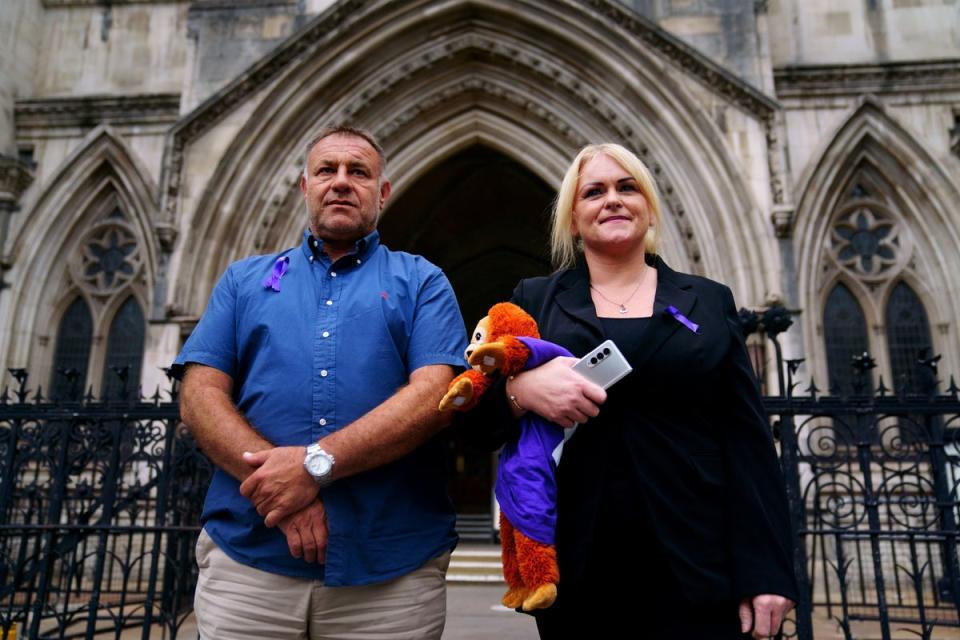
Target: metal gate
(872,479)
(100,502)
(99,511)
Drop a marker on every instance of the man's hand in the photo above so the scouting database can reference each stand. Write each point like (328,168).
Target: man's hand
(280,486)
(306,532)
(762,615)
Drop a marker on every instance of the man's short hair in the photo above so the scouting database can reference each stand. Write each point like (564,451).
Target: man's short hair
(346,130)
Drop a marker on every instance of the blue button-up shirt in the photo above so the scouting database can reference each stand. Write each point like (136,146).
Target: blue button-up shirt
(333,343)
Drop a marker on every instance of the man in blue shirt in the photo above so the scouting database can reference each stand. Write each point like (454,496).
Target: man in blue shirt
(312,382)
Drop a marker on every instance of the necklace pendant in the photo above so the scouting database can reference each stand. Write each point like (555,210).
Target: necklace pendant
(623,309)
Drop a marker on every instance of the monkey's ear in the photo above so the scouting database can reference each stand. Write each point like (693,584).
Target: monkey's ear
(482,332)
(507,319)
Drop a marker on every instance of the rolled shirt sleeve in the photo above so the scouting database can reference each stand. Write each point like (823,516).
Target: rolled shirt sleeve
(213,341)
(438,333)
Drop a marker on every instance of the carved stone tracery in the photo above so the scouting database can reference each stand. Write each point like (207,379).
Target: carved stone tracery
(15,177)
(349,12)
(478,52)
(869,244)
(865,241)
(108,259)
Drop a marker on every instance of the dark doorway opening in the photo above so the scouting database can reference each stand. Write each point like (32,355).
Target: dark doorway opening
(484,219)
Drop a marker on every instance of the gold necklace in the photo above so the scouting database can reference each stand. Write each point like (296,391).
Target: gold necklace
(622,306)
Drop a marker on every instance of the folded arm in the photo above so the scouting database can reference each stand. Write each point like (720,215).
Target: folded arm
(280,485)
(206,406)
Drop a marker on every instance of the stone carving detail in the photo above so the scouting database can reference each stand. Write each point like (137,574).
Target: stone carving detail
(780,192)
(774,161)
(955,133)
(480,85)
(556,74)
(108,259)
(83,111)
(59,4)
(15,177)
(782,218)
(167,235)
(861,79)
(866,242)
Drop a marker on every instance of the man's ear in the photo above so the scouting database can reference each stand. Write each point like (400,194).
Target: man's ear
(303,183)
(385,189)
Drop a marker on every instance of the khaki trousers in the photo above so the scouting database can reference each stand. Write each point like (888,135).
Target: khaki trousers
(234,601)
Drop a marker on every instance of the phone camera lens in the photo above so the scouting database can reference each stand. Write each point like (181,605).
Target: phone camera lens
(593,361)
(599,356)
(606,352)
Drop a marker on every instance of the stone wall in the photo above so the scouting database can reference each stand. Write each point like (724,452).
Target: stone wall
(112,49)
(805,32)
(723,30)
(194,111)
(20,44)
(226,38)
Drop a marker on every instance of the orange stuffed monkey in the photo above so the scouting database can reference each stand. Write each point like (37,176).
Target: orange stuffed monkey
(507,340)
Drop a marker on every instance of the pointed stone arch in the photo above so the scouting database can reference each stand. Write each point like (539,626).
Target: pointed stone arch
(872,143)
(101,176)
(498,72)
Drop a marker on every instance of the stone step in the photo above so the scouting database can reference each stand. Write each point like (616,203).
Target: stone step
(475,528)
(475,563)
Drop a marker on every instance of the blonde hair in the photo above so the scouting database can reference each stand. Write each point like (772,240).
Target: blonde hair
(563,246)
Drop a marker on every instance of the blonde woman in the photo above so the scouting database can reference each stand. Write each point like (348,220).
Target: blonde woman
(672,514)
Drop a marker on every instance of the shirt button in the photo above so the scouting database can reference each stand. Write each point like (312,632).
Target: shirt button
(358,260)
(333,274)
(310,258)
(323,422)
(326,334)
(329,302)
(323,373)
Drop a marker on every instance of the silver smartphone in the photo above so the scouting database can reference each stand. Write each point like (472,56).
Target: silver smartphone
(604,365)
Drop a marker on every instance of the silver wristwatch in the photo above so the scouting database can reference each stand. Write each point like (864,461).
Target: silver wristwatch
(319,464)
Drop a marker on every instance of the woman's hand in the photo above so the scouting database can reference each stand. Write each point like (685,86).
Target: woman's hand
(557,392)
(762,615)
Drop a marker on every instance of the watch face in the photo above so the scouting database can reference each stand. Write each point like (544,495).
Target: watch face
(318,464)
(322,465)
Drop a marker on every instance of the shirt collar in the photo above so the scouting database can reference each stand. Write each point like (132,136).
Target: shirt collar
(362,249)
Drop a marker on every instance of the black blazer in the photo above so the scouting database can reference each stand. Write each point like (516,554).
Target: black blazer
(689,419)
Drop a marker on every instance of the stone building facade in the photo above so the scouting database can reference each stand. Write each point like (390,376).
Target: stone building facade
(807,152)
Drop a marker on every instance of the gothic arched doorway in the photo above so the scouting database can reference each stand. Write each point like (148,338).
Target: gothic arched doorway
(484,219)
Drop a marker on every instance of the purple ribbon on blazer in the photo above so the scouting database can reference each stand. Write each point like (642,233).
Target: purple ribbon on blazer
(682,319)
(279,268)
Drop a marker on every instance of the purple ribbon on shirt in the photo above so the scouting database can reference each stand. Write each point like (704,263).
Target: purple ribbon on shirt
(682,319)
(279,268)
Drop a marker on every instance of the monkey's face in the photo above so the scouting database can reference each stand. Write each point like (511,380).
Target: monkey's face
(479,336)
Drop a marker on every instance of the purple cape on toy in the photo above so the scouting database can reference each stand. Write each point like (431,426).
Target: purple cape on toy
(526,477)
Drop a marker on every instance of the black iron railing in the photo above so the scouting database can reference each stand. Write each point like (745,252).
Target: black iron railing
(99,513)
(872,478)
(100,502)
